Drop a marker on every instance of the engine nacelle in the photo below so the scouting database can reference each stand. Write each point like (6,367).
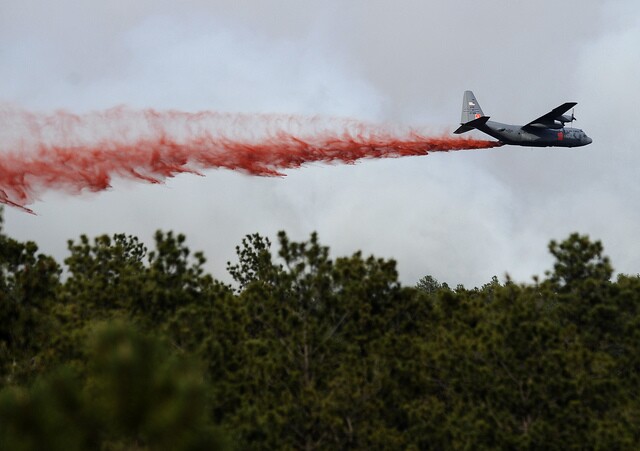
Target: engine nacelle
(566,118)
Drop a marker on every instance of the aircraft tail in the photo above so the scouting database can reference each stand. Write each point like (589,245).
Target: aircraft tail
(476,123)
(472,115)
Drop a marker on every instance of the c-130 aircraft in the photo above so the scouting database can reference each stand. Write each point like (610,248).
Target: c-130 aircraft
(547,130)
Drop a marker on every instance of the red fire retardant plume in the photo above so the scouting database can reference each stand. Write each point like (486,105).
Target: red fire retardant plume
(72,152)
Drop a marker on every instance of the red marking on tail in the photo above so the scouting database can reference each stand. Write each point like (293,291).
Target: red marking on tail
(73,153)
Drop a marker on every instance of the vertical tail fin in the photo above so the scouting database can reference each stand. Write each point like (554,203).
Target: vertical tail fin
(470,108)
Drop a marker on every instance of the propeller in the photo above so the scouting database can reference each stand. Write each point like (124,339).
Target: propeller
(566,118)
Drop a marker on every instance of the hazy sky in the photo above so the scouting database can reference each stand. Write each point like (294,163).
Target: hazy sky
(461,217)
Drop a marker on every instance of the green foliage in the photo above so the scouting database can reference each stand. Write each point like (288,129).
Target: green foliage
(105,275)
(429,284)
(111,276)
(146,395)
(578,260)
(51,414)
(142,349)
(136,396)
(27,284)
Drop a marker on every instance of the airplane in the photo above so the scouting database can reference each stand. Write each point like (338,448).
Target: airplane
(547,130)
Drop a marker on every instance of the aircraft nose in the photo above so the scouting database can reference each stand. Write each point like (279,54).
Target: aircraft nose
(588,140)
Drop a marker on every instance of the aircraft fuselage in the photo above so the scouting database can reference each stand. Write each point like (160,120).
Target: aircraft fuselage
(535,137)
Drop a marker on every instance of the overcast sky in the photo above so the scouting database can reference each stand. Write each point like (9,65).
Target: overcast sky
(461,217)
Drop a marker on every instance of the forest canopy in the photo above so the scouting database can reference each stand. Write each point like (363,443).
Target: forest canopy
(121,346)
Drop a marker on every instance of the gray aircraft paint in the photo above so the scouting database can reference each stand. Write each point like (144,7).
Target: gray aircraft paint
(547,130)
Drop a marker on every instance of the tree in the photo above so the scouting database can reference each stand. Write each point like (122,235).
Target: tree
(28,282)
(430,284)
(577,260)
(137,395)
(308,351)
(117,277)
(316,329)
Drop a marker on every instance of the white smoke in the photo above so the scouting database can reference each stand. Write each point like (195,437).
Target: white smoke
(461,217)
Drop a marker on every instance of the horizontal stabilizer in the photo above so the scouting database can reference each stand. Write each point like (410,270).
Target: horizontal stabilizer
(472,124)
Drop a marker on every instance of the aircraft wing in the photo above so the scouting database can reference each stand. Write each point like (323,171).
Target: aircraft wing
(551,116)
